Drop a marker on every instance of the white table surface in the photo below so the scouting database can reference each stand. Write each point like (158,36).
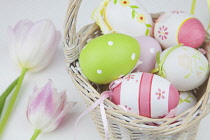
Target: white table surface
(11,11)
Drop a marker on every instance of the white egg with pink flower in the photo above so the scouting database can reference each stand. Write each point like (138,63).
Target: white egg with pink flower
(177,27)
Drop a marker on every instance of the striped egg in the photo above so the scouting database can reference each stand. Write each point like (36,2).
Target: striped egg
(146,94)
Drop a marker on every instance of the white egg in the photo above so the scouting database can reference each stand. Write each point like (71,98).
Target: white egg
(185,67)
(123,16)
(186,101)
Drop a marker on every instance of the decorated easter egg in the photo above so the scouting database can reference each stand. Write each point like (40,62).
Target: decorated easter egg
(149,48)
(177,27)
(185,67)
(146,94)
(109,57)
(123,16)
(186,101)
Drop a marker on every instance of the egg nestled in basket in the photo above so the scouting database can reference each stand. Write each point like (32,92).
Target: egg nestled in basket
(109,57)
(185,67)
(146,94)
(177,27)
(123,16)
(149,48)
(186,101)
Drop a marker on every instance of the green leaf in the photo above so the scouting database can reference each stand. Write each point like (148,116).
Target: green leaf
(6,93)
(133,13)
(187,76)
(115,1)
(133,6)
(148,25)
(181,100)
(11,103)
(147,32)
(187,101)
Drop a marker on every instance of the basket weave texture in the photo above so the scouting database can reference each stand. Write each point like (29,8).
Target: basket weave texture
(124,125)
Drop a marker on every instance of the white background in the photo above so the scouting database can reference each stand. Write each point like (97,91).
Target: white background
(11,11)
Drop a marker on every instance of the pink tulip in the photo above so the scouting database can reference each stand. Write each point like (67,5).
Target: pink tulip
(47,108)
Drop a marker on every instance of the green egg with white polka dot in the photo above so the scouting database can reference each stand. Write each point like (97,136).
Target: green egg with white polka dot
(108,57)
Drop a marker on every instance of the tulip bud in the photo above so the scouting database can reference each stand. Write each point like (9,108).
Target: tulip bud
(33,45)
(47,108)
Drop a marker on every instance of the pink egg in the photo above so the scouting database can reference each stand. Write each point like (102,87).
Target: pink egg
(177,27)
(146,94)
(149,48)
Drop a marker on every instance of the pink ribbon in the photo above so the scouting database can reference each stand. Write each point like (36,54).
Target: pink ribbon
(202,51)
(172,113)
(100,102)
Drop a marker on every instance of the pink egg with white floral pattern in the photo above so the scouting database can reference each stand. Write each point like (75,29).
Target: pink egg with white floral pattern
(179,27)
(149,48)
(146,94)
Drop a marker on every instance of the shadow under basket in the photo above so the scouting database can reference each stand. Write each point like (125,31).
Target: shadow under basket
(121,124)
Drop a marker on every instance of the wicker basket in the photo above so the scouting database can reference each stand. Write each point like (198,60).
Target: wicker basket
(124,125)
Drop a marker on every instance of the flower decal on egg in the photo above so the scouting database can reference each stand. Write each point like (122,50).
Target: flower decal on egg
(163,32)
(129,77)
(141,18)
(160,94)
(125,2)
(127,107)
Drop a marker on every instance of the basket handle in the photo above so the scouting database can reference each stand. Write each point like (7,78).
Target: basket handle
(71,52)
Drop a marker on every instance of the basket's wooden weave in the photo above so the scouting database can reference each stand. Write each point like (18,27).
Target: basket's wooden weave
(123,125)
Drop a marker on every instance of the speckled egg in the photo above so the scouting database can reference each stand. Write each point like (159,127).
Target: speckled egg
(123,16)
(186,101)
(185,67)
(177,27)
(109,57)
(146,94)
(149,48)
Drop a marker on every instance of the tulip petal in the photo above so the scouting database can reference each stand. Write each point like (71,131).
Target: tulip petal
(11,45)
(39,43)
(21,29)
(47,108)
(16,37)
(41,104)
(60,117)
(44,95)
(44,62)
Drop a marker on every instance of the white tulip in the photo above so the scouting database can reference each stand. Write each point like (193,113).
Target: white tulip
(33,45)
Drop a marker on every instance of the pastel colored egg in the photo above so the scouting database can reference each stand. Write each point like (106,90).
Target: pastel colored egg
(149,48)
(186,101)
(146,94)
(123,16)
(109,57)
(177,27)
(185,67)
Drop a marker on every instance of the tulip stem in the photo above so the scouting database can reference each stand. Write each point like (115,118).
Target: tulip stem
(12,101)
(6,93)
(36,134)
